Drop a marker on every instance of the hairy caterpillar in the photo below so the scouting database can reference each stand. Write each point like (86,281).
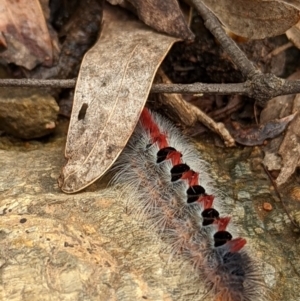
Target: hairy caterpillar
(171,188)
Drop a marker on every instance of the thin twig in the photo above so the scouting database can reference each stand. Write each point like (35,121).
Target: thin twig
(219,89)
(40,83)
(278,50)
(247,88)
(235,53)
(217,127)
(198,88)
(184,109)
(262,86)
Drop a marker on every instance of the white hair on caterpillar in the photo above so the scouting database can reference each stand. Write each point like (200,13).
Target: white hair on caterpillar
(169,186)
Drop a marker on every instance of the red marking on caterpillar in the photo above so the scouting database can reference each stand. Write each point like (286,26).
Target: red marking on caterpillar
(156,135)
(222,223)
(171,188)
(236,244)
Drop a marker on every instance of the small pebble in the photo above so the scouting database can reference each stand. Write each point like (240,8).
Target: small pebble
(267,206)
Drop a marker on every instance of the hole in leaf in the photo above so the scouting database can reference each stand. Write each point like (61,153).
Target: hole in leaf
(82,111)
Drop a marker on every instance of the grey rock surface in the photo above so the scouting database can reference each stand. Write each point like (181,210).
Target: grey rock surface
(88,246)
(27,113)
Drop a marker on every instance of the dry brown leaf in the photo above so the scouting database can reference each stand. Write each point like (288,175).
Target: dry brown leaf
(24,28)
(277,107)
(283,153)
(290,146)
(255,19)
(112,87)
(293,34)
(257,134)
(80,33)
(164,16)
(293,3)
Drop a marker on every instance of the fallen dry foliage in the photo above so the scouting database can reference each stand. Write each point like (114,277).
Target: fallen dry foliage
(258,134)
(117,73)
(25,35)
(164,16)
(78,33)
(283,153)
(294,34)
(293,3)
(290,147)
(95,138)
(255,19)
(112,89)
